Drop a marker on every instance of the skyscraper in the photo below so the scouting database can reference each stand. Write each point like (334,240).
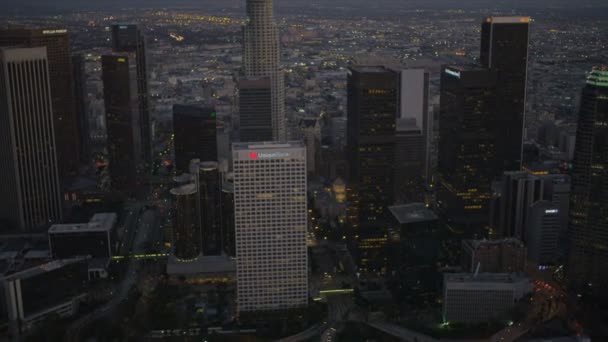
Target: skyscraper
(270,223)
(65,120)
(29,179)
(119,76)
(587,264)
(372,112)
(129,38)
(412,134)
(195,130)
(261,58)
(504,49)
(543,232)
(80,98)
(255,110)
(207,179)
(467,144)
(517,191)
(186,226)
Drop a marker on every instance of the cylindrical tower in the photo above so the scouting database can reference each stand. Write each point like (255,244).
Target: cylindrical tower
(228,238)
(186,226)
(210,207)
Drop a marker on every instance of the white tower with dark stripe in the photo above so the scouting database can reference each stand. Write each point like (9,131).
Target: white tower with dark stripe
(261,58)
(29,181)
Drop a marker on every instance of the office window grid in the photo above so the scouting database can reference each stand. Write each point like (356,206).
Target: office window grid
(270,219)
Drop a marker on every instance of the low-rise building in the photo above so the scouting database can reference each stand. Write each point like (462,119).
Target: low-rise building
(94,238)
(475,298)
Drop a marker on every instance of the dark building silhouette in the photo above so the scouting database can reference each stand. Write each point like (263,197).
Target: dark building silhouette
(119,76)
(80,98)
(207,178)
(186,227)
(414,246)
(29,180)
(587,264)
(494,256)
(504,49)
(514,196)
(195,134)
(65,120)
(255,110)
(467,144)
(95,238)
(129,38)
(228,232)
(372,111)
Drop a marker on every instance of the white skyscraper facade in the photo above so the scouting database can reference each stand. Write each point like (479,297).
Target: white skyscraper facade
(270,225)
(261,58)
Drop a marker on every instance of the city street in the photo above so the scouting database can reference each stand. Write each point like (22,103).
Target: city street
(145,222)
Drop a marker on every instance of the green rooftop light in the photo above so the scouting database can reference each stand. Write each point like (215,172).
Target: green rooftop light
(598,77)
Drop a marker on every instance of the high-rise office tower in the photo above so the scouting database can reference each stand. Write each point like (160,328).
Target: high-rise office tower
(414,251)
(261,58)
(270,222)
(255,110)
(65,120)
(467,144)
(411,141)
(119,76)
(587,264)
(517,191)
(80,98)
(195,130)
(129,38)
(543,232)
(504,49)
(372,111)
(186,225)
(29,178)
(207,179)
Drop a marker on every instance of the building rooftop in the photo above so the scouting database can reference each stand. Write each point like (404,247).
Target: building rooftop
(188,189)
(43,268)
(369,68)
(484,277)
(266,145)
(411,213)
(101,222)
(486,243)
(184,178)
(598,77)
(508,20)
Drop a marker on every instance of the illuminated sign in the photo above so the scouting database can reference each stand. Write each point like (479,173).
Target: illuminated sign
(452,73)
(262,155)
(376,91)
(121,60)
(551,211)
(123,27)
(54,31)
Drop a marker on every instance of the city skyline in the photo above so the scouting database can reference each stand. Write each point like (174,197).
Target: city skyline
(319,171)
